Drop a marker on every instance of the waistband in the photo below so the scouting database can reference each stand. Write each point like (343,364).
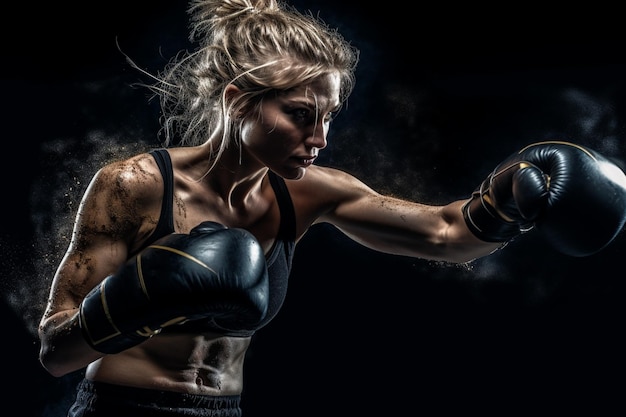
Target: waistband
(110,393)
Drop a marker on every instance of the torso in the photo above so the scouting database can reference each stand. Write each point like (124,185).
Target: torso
(186,361)
(206,364)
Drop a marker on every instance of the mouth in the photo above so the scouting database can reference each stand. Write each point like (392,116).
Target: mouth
(305,160)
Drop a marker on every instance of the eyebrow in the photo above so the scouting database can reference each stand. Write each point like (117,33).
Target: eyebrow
(311,103)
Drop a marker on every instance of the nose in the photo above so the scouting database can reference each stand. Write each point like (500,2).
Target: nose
(317,138)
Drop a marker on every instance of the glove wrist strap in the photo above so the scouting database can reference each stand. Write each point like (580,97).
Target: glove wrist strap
(485,222)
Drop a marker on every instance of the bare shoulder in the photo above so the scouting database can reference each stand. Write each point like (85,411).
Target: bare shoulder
(322,190)
(331,184)
(123,199)
(137,173)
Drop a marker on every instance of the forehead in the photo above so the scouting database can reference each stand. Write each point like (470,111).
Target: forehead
(323,91)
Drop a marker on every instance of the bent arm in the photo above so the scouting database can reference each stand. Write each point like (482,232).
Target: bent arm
(103,231)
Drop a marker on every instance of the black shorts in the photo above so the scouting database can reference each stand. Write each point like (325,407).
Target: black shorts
(96,399)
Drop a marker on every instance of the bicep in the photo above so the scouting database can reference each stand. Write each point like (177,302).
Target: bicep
(98,246)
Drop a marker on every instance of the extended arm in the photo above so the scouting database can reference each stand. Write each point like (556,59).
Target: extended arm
(573,195)
(396,226)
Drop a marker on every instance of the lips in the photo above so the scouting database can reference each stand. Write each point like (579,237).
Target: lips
(305,160)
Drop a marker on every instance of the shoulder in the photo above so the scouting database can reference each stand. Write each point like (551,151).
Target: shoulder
(123,192)
(137,167)
(333,182)
(129,177)
(323,190)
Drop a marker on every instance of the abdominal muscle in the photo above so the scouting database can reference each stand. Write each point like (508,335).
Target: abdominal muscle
(205,364)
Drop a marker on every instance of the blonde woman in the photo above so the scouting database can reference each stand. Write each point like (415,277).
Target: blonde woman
(180,255)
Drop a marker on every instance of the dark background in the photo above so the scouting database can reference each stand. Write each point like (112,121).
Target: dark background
(443,94)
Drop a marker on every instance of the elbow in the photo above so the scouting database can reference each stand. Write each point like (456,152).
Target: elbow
(59,361)
(63,349)
(55,371)
(53,362)
(53,367)
(49,356)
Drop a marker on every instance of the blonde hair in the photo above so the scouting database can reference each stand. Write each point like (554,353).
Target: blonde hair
(261,47)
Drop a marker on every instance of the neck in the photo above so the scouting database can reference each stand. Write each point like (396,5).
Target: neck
(235,177)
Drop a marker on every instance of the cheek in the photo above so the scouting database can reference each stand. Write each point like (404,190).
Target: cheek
(268,137)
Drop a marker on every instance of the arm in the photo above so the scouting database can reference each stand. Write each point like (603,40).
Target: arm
(396,226)
(574,196)
(103,301)
(412,229)
(103,231)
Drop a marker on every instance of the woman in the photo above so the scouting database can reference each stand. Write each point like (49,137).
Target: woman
(250,111)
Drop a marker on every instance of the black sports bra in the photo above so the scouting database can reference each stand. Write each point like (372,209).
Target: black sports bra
(280,257)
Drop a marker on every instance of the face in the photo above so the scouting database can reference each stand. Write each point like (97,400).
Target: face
(291,127)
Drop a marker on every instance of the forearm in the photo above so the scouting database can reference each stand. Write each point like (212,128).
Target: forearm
(460,244)
(63,347)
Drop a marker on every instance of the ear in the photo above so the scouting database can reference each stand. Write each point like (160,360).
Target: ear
(230,92)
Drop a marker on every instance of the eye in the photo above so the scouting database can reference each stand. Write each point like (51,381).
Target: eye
(301,114)
(305,115)
(330,116)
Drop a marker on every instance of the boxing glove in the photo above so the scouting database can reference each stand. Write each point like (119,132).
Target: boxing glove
(214,273)
(575,197)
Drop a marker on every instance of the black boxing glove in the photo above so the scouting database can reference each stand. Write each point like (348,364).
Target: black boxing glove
(573,195)
(214,273)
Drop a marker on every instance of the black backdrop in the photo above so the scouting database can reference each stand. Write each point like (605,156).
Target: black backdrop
(443,94)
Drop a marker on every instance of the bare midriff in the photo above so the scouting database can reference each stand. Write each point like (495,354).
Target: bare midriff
(206,364)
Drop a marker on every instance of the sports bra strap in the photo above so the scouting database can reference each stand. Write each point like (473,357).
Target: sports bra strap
(165,225)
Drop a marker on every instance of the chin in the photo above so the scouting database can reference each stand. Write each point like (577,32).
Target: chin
(294,174)
(299,175)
